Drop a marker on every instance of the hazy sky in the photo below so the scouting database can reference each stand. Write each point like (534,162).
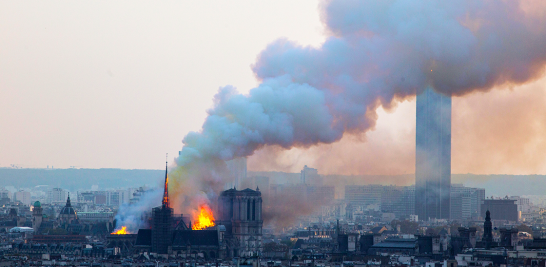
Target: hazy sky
(104,84)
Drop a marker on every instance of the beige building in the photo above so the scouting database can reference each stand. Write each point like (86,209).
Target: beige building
(23,197)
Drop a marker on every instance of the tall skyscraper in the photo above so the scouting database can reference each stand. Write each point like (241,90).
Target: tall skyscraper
(433,155)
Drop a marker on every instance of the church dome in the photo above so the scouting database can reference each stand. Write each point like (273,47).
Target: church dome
(37,204)
(68,210)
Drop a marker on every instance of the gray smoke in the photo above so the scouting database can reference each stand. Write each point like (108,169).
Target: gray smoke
(379,52)
(133,216)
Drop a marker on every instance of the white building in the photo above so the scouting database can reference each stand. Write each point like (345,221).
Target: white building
(466,202)
(23,197)
(21,230)
(524,204)
(56,195)
(117,197)
(96,216)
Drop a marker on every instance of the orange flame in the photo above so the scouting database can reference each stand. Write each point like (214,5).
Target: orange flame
(204,219)
(122,231)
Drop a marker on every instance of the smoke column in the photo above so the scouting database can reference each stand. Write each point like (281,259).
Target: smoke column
(132,215)
(378,52)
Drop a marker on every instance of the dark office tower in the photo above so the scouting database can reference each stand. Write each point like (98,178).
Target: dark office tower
(433,155)
(161,222)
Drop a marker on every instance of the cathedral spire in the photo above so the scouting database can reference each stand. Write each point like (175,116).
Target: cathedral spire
(487,231)
(165,202)
(68,201)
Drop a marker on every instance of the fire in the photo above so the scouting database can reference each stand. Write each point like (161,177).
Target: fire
(122,231)
(205,218)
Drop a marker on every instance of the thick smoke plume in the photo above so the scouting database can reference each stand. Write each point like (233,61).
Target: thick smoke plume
(379,52)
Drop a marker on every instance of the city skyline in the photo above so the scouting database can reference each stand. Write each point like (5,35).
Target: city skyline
(312,133)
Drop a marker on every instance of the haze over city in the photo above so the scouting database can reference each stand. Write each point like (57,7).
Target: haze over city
(258,133)
(106,86)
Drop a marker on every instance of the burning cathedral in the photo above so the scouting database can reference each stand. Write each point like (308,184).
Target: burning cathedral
(236,233)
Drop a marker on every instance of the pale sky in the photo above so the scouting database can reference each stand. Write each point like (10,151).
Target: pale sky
(117,84)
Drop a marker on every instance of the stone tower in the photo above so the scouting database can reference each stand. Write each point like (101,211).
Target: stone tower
(37,216)
(241,213)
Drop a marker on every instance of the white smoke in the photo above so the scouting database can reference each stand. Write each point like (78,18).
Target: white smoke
(379,52)
(133,215)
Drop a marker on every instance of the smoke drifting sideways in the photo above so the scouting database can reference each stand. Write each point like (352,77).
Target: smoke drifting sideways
(133,216)
(378,53)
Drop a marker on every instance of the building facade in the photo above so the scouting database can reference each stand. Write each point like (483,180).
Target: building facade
(23,197)
(466,202)
(241,214)
(310,176)
(96,216)
(501,209)
(363,194)
(56,195)
(433,155)
(524,204)
(399,200)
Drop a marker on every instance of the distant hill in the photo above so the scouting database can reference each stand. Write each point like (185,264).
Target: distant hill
(83,179)
(494,184)
(78,179)
(504,184)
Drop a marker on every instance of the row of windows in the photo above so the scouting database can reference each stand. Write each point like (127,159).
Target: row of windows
(250,210)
